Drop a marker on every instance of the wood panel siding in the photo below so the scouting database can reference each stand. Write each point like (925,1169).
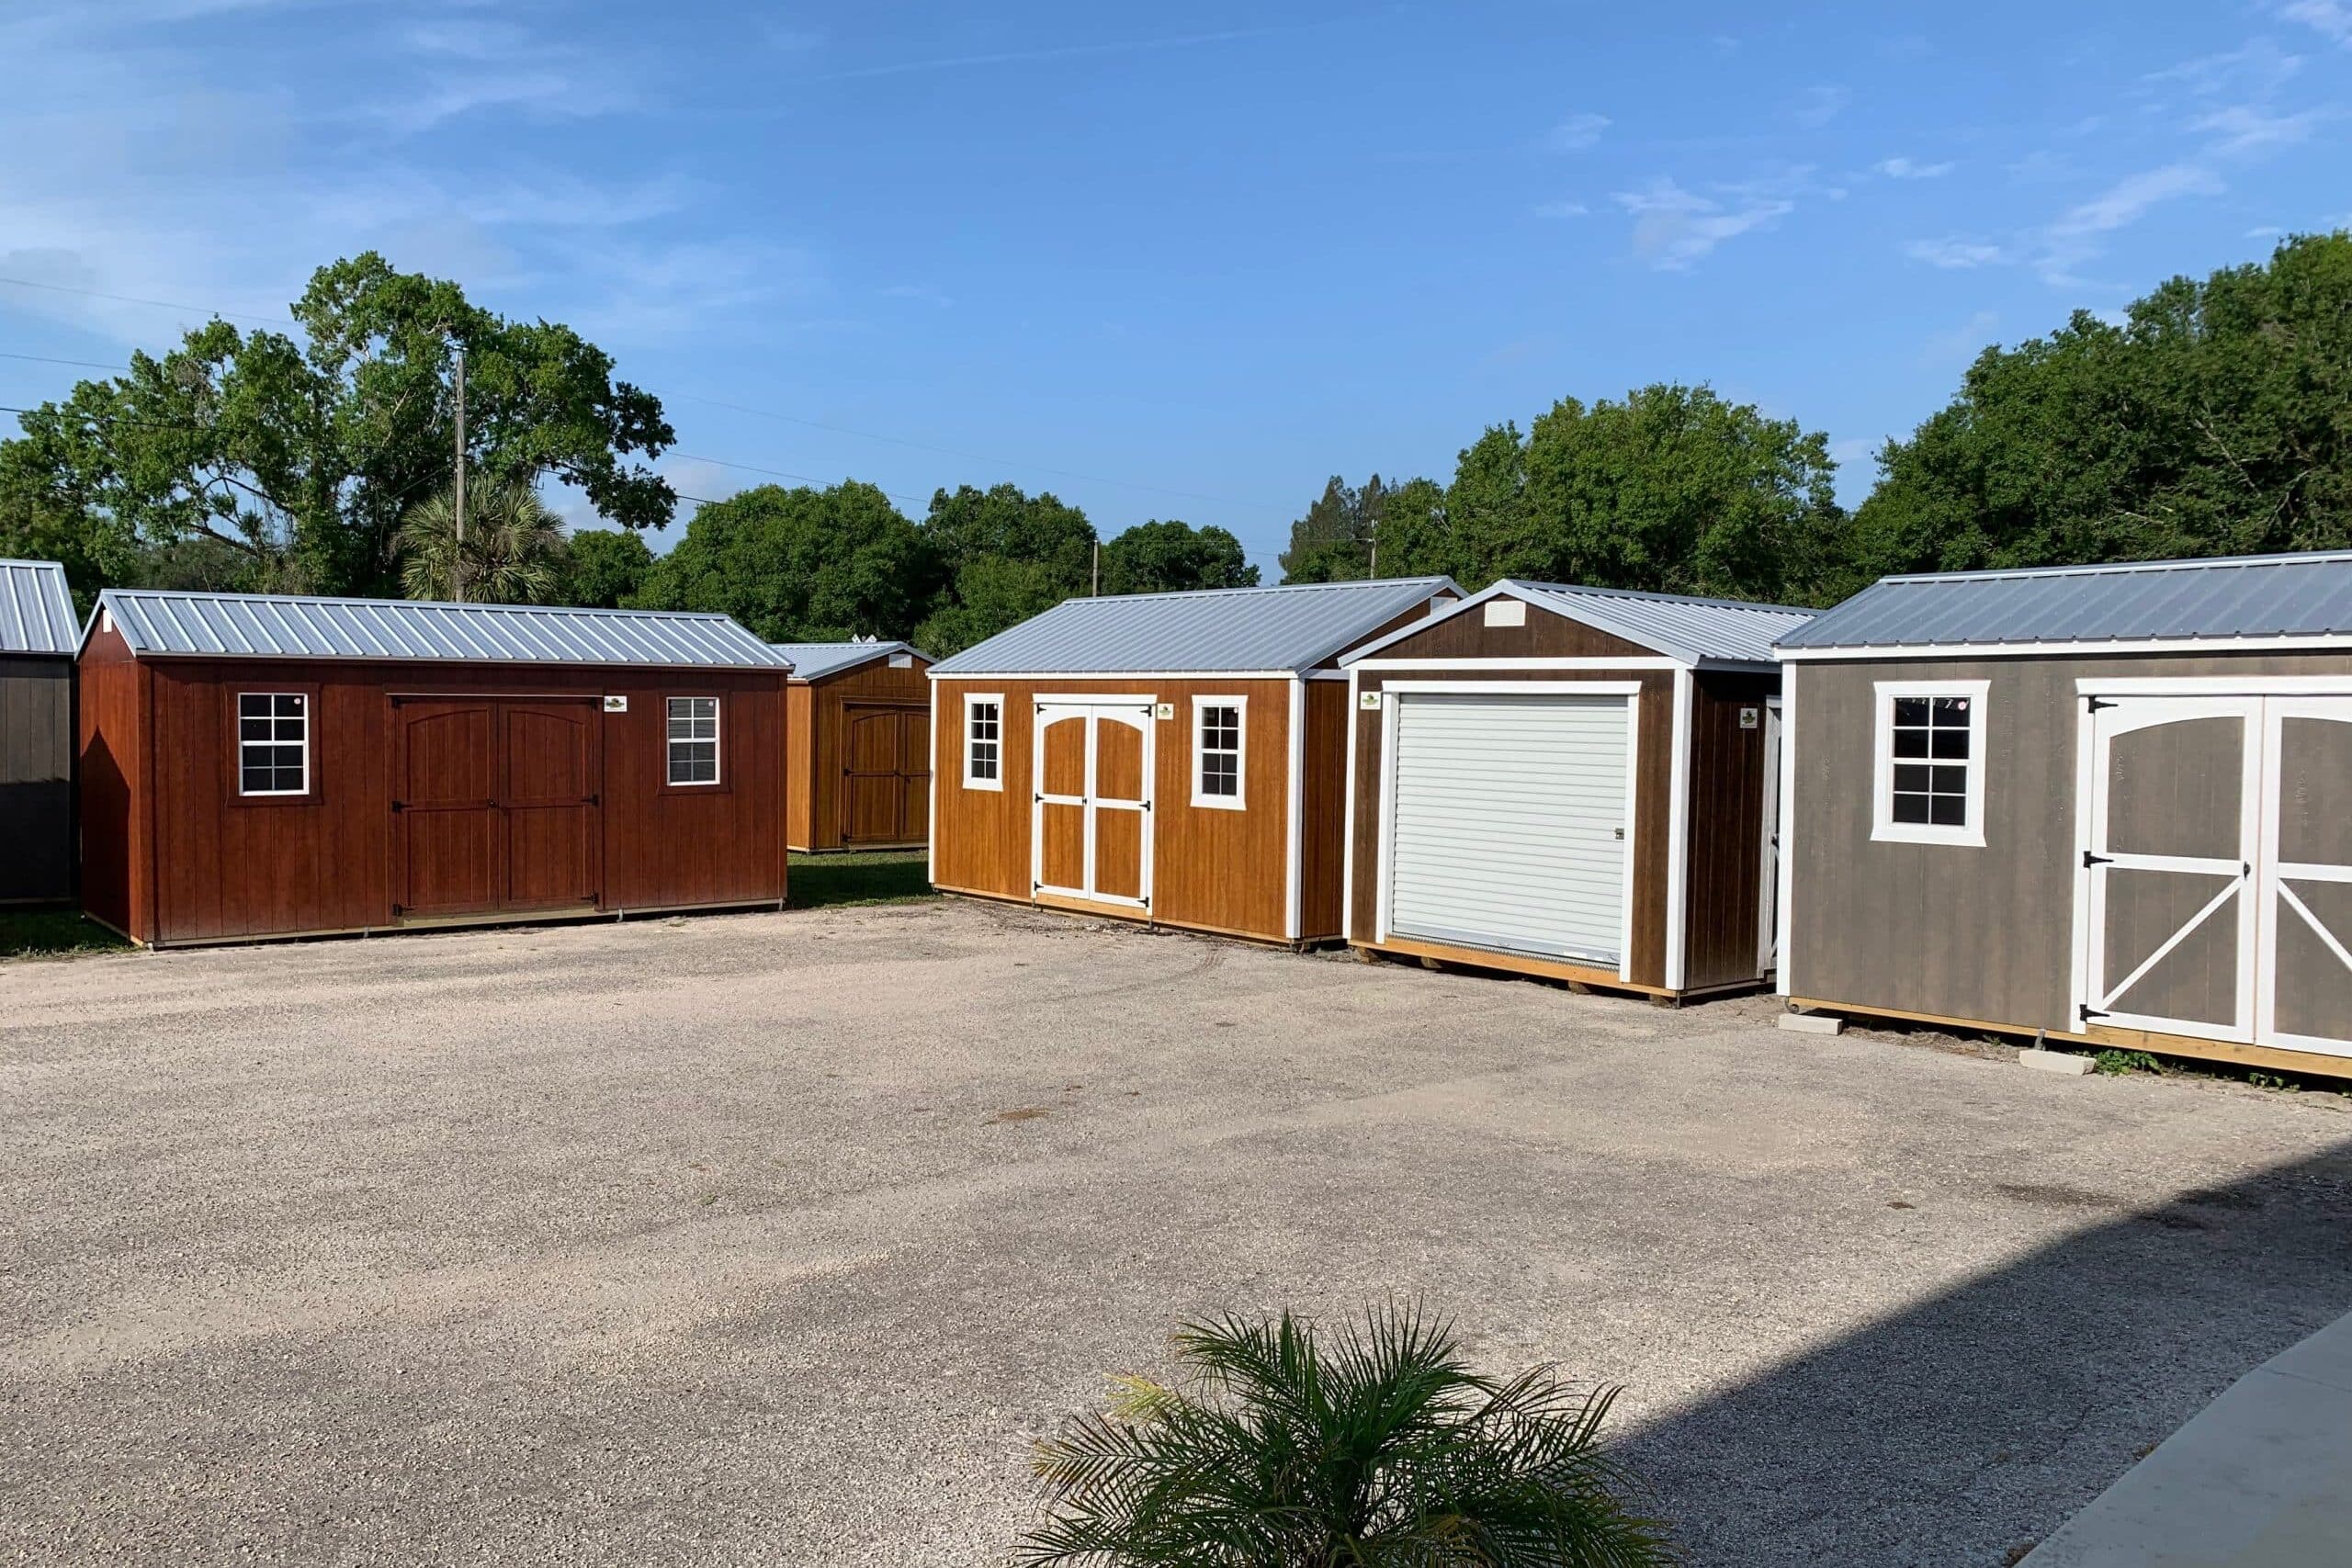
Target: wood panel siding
(1725,856)
(1543,636)
(1323,812)
(116,814)
(37,807)
(817,741)
(1978,933)
(228,866)
(1213,868)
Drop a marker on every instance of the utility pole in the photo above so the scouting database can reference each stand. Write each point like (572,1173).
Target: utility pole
(1095,588)
(458,563)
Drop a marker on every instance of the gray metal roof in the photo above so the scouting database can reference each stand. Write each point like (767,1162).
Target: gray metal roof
(815,660)
(257,625)
(36,611)
(1211,631)
(1711,631)
(2220,598)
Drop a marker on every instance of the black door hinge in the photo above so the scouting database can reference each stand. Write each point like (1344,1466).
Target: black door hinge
(595,800)
(2090,860)
(2087,1012)
(2098,703)
(400,806)
(398,911)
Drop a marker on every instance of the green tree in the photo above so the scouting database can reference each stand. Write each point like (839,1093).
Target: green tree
(603,567)
(1333,543)
(1415,538)
(1286,1448)
(302,454)
(2215,419)
(1159,557)
(798,565)
(1003,556)
(511,551)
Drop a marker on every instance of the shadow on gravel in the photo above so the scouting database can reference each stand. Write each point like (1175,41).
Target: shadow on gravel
(1960,1431)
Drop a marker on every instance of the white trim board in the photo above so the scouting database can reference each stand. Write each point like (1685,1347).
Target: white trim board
(1782,982)
(1678,833)
(2314,644)
(1645,662)
(1348,817)
(1295,807)
(1113,675)
(2214,685)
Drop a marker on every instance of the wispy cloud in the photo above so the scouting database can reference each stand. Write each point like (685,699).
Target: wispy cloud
(2243,128)
(1819,106)
(2077,234)
(1955,254)
(1050,51)
(1912,169)
(1674,228)
(2256,69)
(2332,19)
(1577,133)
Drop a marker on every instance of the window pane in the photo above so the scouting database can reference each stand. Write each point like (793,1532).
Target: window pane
(253,729)
(252,704)
(1953,744)
(1949,810)
(255,779)
(289,780)
(1951,710)
(1911,777)
(289,704)
(1911,742)
(1949,781)
(1911,710)
(1911,808)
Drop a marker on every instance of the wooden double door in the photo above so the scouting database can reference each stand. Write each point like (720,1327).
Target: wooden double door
(496,805)
(1091,831)
(885,775)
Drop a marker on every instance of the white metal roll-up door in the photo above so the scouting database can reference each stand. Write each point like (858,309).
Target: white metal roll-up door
(1508,822)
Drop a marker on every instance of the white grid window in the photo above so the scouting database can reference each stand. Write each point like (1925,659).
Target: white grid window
(273,743)
(1218,738)
(983,741)
(1929,762)
(694,740)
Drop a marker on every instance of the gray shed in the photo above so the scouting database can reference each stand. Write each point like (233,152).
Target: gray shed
(38,634)
(2111,804)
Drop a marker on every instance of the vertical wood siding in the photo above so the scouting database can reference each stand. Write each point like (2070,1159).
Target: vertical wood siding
(1727,848)
(36,779)
(815,737)
(118,815)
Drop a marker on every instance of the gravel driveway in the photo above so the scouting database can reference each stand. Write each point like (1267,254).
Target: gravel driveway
(776,1238)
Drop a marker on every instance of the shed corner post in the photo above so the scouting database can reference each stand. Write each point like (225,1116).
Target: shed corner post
(1785,860)
(1348,814)
(1678,832)
(1293,807)
(937,742)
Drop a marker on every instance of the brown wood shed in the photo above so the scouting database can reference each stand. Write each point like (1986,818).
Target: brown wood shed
(266,766)
(857,746)
(1173,757)
(1569,782)
(38,634)
(2107,805)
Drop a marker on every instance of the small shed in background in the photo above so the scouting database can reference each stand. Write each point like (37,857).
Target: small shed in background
(1569,782)
(39,632)
(268,766)
(857,746)
(1166,757)
(2109,802)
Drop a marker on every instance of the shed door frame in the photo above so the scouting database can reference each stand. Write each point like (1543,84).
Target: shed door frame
(499,805)
(1126,708)
(2266,902)
(1630,692)
(1768,903)
(913,763)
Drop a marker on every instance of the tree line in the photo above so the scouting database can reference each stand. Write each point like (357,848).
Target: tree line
(2212,417)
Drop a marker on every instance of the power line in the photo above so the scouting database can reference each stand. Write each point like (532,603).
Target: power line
(713,402)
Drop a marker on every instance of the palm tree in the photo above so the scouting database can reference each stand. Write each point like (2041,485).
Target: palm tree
(513,552)
(1372,1447)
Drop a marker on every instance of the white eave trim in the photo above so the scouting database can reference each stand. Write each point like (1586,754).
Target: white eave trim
(1881,652)
(937,674)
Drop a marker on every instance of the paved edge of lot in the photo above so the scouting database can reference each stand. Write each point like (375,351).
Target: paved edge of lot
(2261,1478)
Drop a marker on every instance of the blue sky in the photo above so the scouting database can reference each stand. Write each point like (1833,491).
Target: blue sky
(1182,262)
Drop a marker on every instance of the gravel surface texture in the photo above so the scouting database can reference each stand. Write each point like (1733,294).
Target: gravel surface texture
(778,1239)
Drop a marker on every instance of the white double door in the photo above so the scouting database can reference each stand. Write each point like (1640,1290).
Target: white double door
(1091,833)
(2215,883)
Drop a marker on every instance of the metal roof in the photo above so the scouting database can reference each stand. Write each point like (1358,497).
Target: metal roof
(1712,631)
(1211,631)
(36,610)
(815,660)
(257,625)
(2222,599)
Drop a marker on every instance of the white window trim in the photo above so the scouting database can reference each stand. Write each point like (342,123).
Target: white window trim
(1239,799)
(718,743)
(1883,828)
(273,742)
(964,741)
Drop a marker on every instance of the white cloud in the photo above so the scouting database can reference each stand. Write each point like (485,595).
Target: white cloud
(1911,169)
(2243,128)
(1577,133)
(2255,69)
(1563,209)
(2076,235)
(1955,254)
(1964,341)
(1819,106)
(1673,228)
(2266,231)
(2330,18)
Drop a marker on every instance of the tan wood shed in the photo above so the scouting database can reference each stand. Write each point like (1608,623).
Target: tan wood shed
(857,746)
(1175,757)
(2111,804)
(1569,782)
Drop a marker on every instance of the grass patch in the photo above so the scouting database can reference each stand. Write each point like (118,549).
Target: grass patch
(857,876)
(26,933)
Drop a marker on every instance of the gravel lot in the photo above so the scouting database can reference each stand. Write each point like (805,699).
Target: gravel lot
(776,1238)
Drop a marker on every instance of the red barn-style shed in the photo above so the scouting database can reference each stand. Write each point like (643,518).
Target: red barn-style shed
(269,766)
